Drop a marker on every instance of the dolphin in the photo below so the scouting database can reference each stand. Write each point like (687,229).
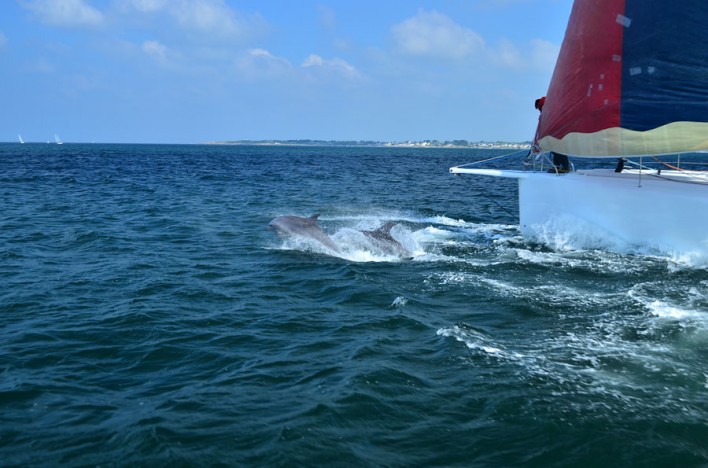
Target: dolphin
(303,227)
(383,239)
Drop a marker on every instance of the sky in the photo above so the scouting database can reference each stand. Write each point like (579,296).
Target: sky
(195,71)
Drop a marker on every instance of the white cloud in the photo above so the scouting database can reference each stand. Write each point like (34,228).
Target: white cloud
(328,19)
(313,61)
(66,13)
(508,55)
(536,55)
(146,6)
(259,64)
(434,35)
(209,18)
(544,54)
(264,55)
(336,66)
(155,49)
(500,3)
(42,66)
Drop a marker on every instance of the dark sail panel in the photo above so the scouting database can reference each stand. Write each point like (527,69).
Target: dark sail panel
(665,66)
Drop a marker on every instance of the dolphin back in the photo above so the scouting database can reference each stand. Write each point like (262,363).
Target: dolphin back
(312,220)
(383,238)
(385,230)
(303,227)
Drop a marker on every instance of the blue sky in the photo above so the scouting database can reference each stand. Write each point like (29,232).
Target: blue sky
(192,71)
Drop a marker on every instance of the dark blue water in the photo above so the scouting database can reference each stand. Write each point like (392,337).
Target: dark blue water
(147,317)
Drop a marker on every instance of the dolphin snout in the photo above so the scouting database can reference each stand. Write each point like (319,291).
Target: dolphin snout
(275,229)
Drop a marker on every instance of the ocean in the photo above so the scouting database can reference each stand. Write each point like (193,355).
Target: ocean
(149,318)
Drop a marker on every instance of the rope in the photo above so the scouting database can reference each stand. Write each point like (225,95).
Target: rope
(494,158)
(692,174)
(667,164)
(491,199)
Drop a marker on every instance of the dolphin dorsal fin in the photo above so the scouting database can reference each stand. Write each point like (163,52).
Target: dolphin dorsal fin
(386,228)
(315,216)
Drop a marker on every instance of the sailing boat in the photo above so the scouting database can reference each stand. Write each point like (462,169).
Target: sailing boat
(631,82)
(19,136)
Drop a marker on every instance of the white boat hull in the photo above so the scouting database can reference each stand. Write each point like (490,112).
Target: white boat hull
(665,212)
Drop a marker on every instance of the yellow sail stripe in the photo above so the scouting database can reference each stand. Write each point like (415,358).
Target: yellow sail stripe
(676,137)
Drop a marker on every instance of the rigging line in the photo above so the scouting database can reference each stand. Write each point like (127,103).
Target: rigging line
(492,159)
(491,199)
(667,164)
(485,195)
(689,173)
(676,168)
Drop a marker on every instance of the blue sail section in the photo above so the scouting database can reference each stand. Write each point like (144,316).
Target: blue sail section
(664,63)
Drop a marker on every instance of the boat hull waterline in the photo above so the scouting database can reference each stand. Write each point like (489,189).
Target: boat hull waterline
(629,211)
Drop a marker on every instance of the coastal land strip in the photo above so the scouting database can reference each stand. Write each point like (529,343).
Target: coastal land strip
(366,143)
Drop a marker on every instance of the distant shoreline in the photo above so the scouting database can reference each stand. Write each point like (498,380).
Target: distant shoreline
(324,143)
(405,144)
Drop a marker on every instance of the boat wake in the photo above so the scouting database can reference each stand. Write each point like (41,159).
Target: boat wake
(636,352)
(596,333)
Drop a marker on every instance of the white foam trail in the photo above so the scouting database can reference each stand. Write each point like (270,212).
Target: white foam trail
(400,301)
(594,359)
(664,310)
(358,247)
(692,308)
(305,244)
(569,233)
(445,221)
(374,218)
(439,238)
(475,340)
(432,234)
